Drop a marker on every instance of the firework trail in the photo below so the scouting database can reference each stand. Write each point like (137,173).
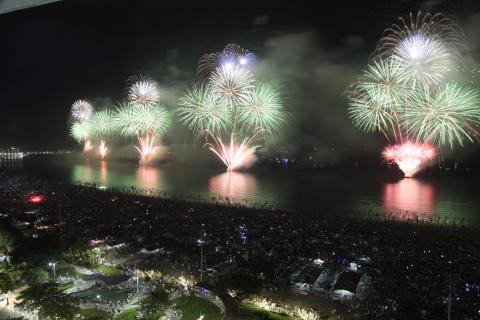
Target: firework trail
(231,102)
(404,94)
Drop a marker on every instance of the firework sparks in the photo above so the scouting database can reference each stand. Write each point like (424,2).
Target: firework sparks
(102,149)
(433,26)
(101,123)
(234,156)
(143,93)
(404,93)
(82,132)
(81,110)
(145,123)
(231,83)
(410,157)
(231,103)
(262,108)
(450,115)
(426,60)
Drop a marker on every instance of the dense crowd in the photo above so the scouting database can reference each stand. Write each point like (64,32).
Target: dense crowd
(413,267)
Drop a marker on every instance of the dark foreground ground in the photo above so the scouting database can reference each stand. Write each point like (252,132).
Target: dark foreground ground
(412,266)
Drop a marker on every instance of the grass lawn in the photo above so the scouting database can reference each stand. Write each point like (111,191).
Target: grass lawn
(128,314)
(259,313)
(93,314)
(109,271)
(193,307)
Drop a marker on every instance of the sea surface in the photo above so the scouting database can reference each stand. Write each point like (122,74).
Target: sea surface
(444,199)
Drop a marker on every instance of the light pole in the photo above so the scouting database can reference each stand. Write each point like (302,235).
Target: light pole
(201,241)
(52,265)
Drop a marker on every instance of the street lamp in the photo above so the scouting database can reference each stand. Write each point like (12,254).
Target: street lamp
(52,265)
(201,242)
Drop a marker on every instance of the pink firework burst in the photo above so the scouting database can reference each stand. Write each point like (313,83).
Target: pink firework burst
(409,156)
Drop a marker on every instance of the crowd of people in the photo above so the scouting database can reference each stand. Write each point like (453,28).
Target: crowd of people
(416,269)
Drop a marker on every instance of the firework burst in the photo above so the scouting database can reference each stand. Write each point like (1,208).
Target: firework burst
(82,132)
(262,108)
(447,116)
(433,26)
(200,110)
(143,93)
(231,103)
(410,157)
(425,60)
(231,83)
(102,127)
(404,93)
(147,124)
(81,110)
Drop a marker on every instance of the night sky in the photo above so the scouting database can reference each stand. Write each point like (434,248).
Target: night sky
(57,53)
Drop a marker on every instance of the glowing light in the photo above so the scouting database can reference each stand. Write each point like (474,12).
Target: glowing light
(410,157)
(87,146)
(234,156)
(102,149)
(233,185)
(81,110)
(425,60)
(408,195)
(36,199)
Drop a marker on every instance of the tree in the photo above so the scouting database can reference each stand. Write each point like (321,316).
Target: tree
(156,300)
(49,300)
(6,283)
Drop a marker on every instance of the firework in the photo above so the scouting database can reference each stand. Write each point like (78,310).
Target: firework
(234,156)
(449,115)
(81,131)
(81,110)
(437,27)
(231,103)
(425,60)
(410,157)
(102,149)
(143,93)
(232,53)
(147,124)
(261,108)
(231,83)
(200,110)
(404,93)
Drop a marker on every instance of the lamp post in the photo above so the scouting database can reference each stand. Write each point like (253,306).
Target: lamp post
(201,242)
(52,265)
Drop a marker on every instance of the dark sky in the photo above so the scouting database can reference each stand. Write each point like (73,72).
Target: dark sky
(54,54)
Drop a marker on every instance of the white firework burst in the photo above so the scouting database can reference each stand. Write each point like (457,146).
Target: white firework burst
(81,110)
(231,83)
(143,93)
(425,59)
